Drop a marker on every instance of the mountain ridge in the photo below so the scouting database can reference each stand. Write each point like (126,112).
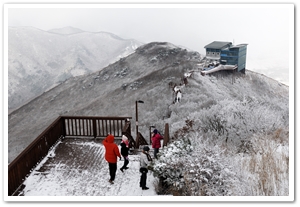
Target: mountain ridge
(147,75)
(39,59)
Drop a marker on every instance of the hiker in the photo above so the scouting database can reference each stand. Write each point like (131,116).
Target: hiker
(145,160)
(111,154)
(124,152)
(156,137)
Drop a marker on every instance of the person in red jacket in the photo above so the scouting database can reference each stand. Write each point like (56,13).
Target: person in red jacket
(111,154)
(156,137)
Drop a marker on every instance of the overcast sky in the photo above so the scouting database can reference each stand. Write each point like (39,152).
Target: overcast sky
(267,29)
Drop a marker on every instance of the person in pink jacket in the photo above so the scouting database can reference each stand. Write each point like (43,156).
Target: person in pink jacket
(156,137)
(111,154)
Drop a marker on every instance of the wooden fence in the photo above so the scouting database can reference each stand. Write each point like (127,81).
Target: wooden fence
(79,126)
(64,126)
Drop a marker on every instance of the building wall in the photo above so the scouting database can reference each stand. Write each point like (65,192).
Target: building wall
(229,57)
(234,56)
(242,58)
(213,53)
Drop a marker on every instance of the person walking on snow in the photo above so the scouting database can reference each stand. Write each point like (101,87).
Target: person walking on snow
(124,152)
(145,160)
(111,154)
(156,137)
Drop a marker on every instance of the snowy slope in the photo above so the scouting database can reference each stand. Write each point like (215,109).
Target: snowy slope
(144,75)
(39,60)
(238,124)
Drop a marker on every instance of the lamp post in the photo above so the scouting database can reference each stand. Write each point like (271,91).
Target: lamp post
(137,122)
(150,133)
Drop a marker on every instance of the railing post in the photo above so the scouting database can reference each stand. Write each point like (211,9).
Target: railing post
(166,135)
(62,119)
(94,128)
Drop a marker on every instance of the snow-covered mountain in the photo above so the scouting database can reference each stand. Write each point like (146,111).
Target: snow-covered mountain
(147,75)
(66,31)
(39,60)
(229,131)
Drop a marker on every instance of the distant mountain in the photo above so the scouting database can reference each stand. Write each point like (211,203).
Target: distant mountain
(66,31)
(39,60)
(149,74)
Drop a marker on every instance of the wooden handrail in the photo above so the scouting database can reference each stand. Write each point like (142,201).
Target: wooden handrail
(21,166)
(95,126)
(63,126)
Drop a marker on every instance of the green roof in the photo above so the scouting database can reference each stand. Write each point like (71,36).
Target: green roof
(218,45)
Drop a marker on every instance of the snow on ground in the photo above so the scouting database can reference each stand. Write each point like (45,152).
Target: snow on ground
(60,177)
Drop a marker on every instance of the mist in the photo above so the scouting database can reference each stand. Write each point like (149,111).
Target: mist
(266,28)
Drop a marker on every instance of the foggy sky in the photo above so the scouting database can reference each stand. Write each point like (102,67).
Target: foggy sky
(266,29)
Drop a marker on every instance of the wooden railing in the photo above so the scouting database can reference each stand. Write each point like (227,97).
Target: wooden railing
(64,126)
(20,167)
(80,126)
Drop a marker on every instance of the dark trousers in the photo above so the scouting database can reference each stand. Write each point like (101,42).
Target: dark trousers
(112,170)
(143,180)
(126,161)
(143,177)
(156,150)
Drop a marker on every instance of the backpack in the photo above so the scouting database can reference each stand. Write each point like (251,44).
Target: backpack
(149,157)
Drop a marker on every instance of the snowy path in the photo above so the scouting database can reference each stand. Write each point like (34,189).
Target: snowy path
(78,168)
